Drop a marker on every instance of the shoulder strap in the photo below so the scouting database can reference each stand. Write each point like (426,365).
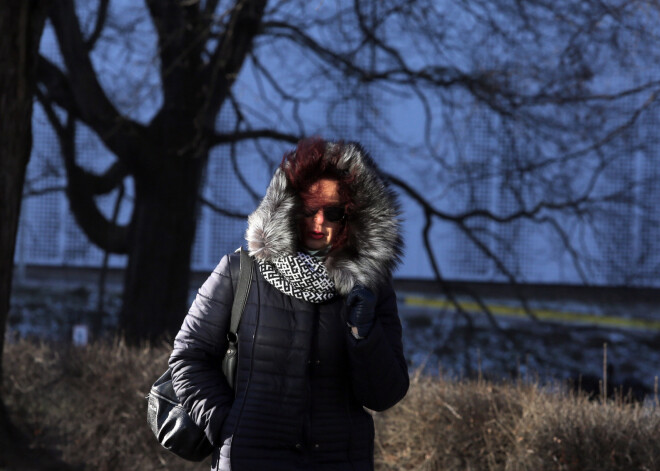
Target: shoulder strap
(242,290)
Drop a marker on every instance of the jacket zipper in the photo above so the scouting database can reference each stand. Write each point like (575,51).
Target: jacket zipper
(313,361)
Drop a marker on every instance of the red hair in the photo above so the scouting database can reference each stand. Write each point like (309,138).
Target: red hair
(312,161)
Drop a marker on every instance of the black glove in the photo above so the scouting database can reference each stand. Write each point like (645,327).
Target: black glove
(361,304)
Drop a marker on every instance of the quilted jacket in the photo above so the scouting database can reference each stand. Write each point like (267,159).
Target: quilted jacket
(303,381)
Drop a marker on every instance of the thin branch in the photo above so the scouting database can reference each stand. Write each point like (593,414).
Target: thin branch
(233,154)
(101,17)
(251,134)
(436,75)
(449,292)
(27,192)
(500,266)
(575,257)
(228,58)
(570,204)
(223,211)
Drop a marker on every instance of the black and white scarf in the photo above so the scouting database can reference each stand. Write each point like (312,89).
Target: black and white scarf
(301,276)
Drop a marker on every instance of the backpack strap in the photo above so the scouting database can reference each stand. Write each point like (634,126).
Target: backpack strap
(242,291)
(230,360)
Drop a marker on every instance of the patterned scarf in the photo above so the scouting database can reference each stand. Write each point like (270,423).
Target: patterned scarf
(301,276)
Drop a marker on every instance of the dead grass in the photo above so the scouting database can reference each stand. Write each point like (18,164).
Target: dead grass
(479,425)
(88,405)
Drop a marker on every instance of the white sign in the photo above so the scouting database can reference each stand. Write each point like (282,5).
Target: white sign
(80,335)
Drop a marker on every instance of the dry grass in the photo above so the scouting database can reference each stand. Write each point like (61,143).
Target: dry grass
(478,425)
(88,405)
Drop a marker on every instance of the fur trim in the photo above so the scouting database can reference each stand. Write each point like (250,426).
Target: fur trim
(375,244)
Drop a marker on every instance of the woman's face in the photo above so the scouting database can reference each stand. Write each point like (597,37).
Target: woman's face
(323,214)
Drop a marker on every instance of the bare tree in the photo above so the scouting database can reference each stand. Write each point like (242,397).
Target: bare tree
(526,114)
(165,157)
(21,23)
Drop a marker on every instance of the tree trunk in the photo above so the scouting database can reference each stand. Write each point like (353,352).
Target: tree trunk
(157,277)
(21,23)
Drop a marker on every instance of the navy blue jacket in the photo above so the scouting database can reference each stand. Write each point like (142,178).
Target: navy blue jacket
(302,381)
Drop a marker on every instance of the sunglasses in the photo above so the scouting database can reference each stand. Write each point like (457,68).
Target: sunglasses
(330,213)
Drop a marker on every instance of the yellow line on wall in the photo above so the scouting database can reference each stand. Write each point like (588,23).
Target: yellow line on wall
(542,314)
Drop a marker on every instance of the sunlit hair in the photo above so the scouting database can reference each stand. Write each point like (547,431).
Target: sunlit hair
(312,161)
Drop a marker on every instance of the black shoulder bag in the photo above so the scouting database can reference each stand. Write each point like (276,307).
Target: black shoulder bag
(169,421)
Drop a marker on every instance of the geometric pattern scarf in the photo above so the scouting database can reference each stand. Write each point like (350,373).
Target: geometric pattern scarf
(301,276)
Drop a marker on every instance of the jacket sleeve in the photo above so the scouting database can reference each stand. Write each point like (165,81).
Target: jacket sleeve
(379,372)
(199,348)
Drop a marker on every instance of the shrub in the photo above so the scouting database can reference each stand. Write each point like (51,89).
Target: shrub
(87,404)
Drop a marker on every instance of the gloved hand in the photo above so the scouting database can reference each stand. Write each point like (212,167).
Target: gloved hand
(361,304)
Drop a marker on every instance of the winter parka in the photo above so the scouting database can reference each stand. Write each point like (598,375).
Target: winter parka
(303,380)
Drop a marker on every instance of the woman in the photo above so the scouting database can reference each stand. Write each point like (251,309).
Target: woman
(320,337)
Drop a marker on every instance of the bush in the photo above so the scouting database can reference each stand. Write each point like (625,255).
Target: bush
(88,405)
(480,425)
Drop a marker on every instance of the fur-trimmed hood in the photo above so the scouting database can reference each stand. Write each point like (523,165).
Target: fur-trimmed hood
(374,246)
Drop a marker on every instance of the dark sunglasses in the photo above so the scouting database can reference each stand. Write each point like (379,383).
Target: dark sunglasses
(330,213)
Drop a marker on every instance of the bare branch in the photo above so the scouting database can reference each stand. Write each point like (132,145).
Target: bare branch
(575,257)
(80,192)
(111,179)
(182,35)
(233,154)
(92,106)
(436,271)
(101,17)
(57,86)
(251,134)
(439,76)
(502,268)
(29,192)
(220,210)
(233,47)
